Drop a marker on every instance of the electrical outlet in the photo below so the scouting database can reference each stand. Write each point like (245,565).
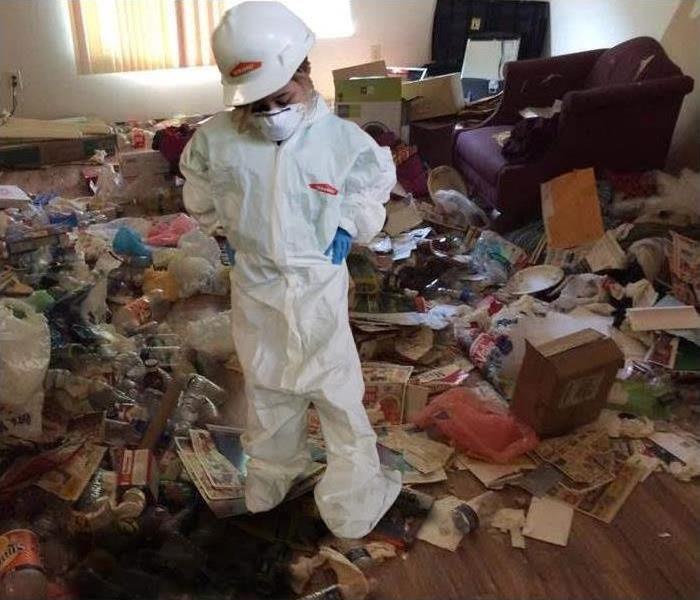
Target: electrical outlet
(375,51)
(16,79)
(11,79)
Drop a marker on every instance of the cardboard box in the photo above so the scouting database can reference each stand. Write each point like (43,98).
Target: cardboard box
(370,69)
(34,154)
(565,383)
(374,103)
(12,196)
(138,468)
(385,392)
(433,97)
(133,163)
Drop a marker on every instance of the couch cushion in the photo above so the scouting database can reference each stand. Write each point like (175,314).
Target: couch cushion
(480,150)
(637,59)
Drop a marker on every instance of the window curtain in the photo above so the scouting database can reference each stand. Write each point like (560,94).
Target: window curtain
(111,36)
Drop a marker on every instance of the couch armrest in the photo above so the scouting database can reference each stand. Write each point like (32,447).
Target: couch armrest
(620,95)
(540,81)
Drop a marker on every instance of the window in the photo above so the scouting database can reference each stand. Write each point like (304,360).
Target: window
(113,36)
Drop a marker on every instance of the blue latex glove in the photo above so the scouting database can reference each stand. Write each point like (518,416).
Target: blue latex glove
(231,253)
(340,246)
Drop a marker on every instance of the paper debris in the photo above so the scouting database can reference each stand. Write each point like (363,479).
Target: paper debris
(606,254)
(648,463)
(549,521)
(380,550)
(439,529)
(512,521)
(420,452)
(489,473)
(537,482)
(415,345)
(616,426)
(682,447)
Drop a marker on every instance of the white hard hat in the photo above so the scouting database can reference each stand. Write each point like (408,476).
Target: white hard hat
(258,46)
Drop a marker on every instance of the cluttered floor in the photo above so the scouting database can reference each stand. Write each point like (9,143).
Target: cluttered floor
(538,390)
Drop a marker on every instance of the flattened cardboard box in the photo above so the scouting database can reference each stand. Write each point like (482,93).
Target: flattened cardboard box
(565,383)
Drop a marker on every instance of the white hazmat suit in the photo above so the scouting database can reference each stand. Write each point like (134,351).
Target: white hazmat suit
(281,205)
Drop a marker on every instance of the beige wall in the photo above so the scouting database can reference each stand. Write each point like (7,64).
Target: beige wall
(35,37)
(586,24)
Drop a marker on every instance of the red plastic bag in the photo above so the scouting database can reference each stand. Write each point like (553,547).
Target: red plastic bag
(168,231)
(476,426)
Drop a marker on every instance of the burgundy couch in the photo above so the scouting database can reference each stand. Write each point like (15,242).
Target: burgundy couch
(619,110)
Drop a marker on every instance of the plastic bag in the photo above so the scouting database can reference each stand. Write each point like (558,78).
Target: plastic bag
(192,273)
(463,211)
(167,232)
(197,243)
(498,257)
(478,427)
(25,349)
(212,335)
(195,266)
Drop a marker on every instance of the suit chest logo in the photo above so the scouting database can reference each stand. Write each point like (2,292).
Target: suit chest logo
(324,188)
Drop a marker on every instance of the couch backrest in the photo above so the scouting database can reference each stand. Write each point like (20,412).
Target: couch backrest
(637,59)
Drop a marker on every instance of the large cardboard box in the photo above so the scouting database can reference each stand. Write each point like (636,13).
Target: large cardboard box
(564,383)
(374,103)
(433,97)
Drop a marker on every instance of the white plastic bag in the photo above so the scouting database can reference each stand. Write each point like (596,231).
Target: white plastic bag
(460,208)
(195,266)
(25,349)
(212,336)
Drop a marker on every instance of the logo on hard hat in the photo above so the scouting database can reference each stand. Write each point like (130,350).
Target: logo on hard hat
(244,67)
(325,188)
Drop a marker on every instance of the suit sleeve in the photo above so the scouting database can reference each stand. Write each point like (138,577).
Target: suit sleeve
(197,196)
(367,188)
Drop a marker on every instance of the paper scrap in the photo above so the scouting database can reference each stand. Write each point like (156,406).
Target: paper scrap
(604,502)
(606,254)
(401,216)
(549,521)
(439,529)
(420,452)
(415,345)
(683,448)
(489,473)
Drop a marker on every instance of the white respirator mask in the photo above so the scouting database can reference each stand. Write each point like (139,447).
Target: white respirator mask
(279,124)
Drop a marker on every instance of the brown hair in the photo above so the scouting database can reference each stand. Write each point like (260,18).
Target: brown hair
(302,76)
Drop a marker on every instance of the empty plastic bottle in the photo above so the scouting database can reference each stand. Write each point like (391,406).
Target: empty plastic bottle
(197,401)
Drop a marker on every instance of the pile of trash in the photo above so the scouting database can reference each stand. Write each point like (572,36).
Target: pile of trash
(560,362)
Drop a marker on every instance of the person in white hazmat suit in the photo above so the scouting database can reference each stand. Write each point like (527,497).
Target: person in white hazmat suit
(292,185)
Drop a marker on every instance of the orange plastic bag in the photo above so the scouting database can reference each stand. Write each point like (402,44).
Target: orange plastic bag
(476,426)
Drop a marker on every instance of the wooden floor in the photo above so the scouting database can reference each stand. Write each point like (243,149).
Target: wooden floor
(626,559)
